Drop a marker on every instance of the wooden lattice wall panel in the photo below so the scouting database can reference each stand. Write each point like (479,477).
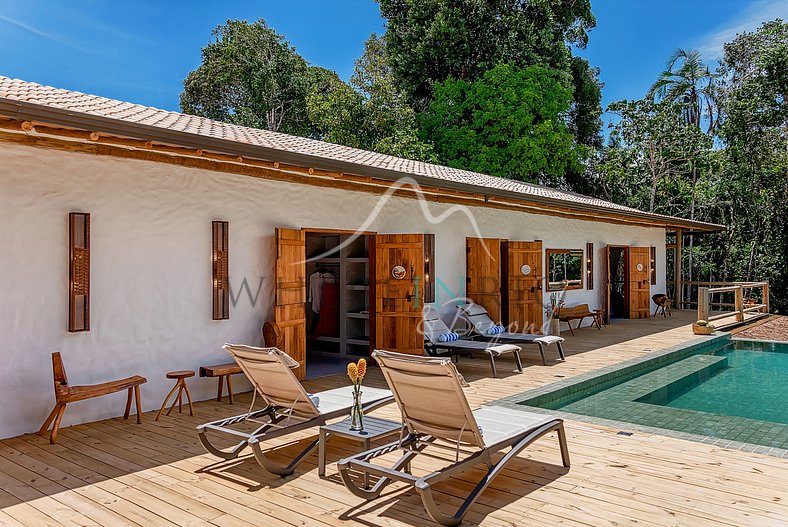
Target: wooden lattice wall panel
(79,271)
(221,273)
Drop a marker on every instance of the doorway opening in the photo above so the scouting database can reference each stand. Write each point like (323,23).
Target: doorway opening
(338,302)
(618,286)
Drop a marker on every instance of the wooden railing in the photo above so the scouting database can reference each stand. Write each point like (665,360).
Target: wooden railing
(741,304)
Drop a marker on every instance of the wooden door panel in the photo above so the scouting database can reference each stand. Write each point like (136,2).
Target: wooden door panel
(399,302)
(523,292)
(639,282)
(290,294)
(483,274)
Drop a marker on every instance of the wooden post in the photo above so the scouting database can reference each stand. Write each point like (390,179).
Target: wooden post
(765,294)
(739,304)
(678,301)
(703,303)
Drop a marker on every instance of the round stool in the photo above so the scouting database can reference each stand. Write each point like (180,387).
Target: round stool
(180,385)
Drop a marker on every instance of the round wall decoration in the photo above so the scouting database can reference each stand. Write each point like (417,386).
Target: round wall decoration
(398,272)
(525,269)
(639,267)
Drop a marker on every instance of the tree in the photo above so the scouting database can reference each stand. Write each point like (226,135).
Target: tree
(370,112)
(249,75)
(652,156)
(430,41)
(688,81)
(754,132)
(509,123)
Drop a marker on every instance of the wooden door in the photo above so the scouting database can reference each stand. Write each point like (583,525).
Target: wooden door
(523,292)
(483,274)
(290,294)
(399,300)
(607,285)
(639,282)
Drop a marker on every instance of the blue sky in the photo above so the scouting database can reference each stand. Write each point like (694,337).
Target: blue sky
(141,50)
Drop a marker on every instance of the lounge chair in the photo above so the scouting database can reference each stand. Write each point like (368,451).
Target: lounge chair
(482,326)
(288,408)
(446,421)
(436,331)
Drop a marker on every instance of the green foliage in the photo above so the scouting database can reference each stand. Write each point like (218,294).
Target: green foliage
(250,75)
(369,113)
(652,154)
(509,123)
(430,41)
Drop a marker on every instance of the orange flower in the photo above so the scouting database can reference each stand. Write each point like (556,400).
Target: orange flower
(352,371)
(362,368)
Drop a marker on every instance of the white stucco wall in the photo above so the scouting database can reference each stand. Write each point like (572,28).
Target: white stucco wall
(151,270)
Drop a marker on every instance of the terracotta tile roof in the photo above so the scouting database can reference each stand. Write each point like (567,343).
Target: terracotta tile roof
(15,90)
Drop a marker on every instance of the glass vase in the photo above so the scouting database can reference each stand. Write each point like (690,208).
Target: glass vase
(357,413)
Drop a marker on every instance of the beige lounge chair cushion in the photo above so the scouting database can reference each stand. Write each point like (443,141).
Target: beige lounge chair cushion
(498,423)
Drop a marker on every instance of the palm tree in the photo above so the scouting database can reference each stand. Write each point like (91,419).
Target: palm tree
(688,81)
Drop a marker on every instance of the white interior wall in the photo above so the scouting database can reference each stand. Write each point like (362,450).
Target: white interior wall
(151,267)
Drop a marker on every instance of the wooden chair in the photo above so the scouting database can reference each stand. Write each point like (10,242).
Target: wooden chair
(64,394)
(272,336)
(580,312)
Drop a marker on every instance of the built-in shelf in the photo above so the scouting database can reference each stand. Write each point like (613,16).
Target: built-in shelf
(357,315)
(325,260)
(358,287)
(328,339)
(359,342)
(357,260)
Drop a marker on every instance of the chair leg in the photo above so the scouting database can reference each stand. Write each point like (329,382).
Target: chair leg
(180,396)
(541,352)
(230,388)
(492,365)
(518,361)
(45,427)
(560,350)
(128,404)
(188,398)
(56,425)
(164,404)
(572,331)
(219,392)
(137,404)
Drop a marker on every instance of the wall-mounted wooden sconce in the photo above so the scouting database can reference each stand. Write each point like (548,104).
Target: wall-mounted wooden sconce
(429,268)
(221,277)
(78,271)
(589,265)
(653,266)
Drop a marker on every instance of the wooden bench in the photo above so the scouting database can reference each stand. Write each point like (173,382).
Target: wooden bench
(65,394)
(224,372)
(580,312)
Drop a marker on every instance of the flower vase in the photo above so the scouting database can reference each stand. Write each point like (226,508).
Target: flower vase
(357,413)
(555,327)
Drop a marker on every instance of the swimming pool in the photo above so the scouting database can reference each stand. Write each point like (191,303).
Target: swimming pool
(734,392)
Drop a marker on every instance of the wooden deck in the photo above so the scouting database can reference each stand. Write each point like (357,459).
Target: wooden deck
(117,473)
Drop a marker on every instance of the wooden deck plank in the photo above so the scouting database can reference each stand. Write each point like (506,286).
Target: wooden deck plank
(116,473)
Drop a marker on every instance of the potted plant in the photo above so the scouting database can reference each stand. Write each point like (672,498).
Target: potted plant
(553,311)
(702,327)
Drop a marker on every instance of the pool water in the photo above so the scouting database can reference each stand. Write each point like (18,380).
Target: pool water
(753,385)
(732,389)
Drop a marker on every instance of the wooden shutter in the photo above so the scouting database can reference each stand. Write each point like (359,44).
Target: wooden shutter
(607,286)
(639,282)
(290,295)
(523,293)
(399,302)
(79,271)
(483,274)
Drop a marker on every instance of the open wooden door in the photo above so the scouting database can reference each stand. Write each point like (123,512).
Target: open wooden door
(523,292)
(607,286)
(399,298)
(639,282)
(290,294)
(483,274)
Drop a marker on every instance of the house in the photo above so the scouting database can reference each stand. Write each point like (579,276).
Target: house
(137,240)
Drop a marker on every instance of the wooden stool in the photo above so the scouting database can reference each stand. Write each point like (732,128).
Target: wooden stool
(180,385)
(224,372)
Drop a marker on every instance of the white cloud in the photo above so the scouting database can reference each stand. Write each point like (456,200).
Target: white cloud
(749,19)
(42,34)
